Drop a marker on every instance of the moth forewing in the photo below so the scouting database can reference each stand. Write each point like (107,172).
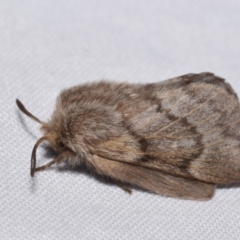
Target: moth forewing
(154,180)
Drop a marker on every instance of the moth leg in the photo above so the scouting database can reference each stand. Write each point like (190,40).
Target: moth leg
(57,160)
(44,167)
(154,180)
(124,187)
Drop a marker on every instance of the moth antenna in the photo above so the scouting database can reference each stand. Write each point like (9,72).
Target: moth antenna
(33,157)
(25,111)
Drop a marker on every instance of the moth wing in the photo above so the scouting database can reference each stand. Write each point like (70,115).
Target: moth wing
(188,127)
(192,131)
(204,77)
(154,180)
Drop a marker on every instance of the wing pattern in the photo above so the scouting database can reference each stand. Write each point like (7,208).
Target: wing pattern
(187,127)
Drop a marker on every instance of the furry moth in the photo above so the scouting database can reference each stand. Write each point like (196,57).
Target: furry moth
(178,138)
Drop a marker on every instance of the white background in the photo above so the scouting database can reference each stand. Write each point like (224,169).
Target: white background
(46,46)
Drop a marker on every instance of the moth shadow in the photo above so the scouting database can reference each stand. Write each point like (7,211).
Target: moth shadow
(23,122)
(49,151)
(227,186)
(83,169)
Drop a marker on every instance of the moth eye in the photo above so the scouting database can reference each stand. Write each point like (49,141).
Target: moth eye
(61,144)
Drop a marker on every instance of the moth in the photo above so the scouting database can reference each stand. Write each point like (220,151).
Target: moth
(178,138)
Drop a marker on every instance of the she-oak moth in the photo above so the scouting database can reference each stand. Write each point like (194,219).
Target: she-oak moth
(179,137)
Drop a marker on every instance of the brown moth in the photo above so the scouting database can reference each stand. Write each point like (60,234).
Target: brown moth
(178,138)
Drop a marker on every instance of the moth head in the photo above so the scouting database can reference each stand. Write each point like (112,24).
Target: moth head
(56,141)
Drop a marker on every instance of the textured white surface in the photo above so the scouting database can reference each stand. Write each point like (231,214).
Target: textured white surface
(48,45)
